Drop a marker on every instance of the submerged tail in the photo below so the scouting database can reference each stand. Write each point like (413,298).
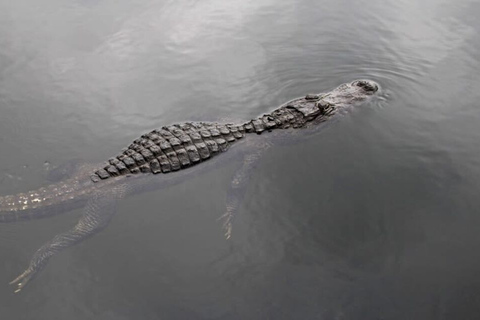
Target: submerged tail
(47,201)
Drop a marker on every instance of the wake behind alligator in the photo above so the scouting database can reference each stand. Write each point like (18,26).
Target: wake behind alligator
(166,156)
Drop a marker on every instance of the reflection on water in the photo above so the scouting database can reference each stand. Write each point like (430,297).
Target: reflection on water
(377,217)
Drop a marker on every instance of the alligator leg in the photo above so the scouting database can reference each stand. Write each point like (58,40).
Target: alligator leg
(98,212)
(238,187)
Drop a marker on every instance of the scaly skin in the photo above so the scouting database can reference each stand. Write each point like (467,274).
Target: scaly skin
(167,156)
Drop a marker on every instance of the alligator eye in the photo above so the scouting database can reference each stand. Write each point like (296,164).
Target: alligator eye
(323,106)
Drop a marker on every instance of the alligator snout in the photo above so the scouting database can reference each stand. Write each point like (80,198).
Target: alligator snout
(367,85)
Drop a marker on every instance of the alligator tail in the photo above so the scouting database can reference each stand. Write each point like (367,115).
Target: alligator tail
(51,200)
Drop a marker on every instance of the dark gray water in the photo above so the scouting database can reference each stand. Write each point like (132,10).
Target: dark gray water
(379,219)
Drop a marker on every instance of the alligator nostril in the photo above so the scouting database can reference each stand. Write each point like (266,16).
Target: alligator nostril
(366,85)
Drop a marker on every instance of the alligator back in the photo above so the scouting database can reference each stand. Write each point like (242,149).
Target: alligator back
(171,148)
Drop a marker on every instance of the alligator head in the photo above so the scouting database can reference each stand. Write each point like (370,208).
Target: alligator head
(314,107)
(348,94)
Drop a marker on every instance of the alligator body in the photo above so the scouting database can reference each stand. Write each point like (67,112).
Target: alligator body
(166,156)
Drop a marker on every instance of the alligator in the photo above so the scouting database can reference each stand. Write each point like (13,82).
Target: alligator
(164,157)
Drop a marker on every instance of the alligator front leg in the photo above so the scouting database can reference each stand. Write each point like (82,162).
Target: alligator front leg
(238,187)
(98,212)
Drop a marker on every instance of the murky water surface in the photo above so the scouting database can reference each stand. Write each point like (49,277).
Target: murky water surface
(376,218)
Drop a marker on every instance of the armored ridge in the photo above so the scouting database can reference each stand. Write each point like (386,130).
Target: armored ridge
(183,145)
(172,148)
